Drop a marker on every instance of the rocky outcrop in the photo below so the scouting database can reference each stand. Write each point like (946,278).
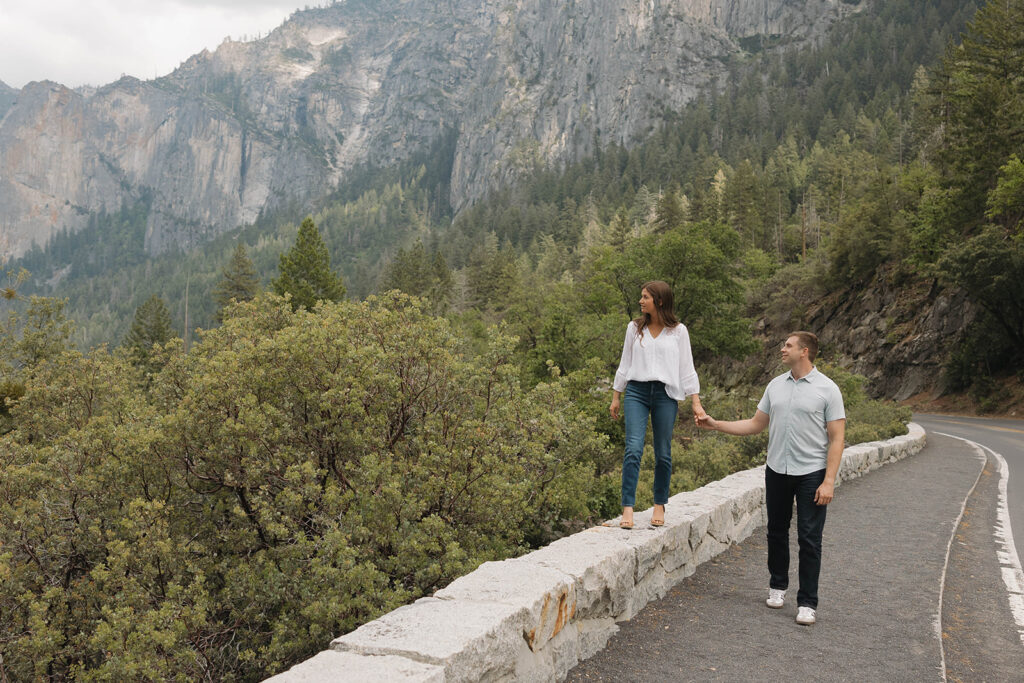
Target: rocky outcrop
(897,334)
(898,337)
(7,97)
(237,131)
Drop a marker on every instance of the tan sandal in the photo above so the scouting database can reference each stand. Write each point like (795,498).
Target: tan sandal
(658,522)
(623,524)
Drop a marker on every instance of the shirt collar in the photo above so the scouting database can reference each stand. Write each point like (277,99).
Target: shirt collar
(806,378)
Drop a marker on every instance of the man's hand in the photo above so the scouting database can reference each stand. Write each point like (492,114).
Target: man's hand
(754,425)
(825,493)
(705,421)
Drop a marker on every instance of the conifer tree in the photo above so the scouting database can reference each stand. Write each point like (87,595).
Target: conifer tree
(669,213)
(152,325)
(415,272)
(492,275)
(979,99)
(239,282)
(409,271)
(742,199)
(305,270)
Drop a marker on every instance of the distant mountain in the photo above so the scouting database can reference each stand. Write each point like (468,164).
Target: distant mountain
(253,125)
(7,97)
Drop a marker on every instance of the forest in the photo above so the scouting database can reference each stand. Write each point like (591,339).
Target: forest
(383,395)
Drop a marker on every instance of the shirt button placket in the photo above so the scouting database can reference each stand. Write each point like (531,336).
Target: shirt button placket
(787,442)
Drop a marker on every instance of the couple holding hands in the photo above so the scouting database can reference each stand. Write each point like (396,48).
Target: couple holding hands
(802,409)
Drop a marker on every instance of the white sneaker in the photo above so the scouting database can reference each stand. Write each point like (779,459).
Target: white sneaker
(775,598)
(805,616)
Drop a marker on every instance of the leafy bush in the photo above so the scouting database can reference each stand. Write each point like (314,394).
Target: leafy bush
(875,420)
(194,529)
(10,392)
(850,384)
(186,521)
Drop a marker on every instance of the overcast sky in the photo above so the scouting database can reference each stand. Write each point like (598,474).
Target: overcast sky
(92,42)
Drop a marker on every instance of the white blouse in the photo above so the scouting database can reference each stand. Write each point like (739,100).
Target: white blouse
(666,358)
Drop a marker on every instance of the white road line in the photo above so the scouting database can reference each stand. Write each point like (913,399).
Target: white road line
(949,550)
(1009,560)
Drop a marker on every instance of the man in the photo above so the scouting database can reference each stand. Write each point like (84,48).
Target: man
(803,410)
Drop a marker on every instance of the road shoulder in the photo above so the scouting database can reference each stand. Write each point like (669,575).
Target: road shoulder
(978,630)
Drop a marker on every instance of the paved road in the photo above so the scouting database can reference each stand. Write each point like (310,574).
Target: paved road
(886,590)
(1005,437)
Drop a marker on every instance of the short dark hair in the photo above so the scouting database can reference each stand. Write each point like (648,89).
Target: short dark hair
(809,341)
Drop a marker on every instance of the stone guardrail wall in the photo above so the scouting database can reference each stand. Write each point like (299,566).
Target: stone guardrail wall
(535,617)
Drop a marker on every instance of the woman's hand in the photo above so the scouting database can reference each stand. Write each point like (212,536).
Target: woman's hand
(615,407)
(698,410)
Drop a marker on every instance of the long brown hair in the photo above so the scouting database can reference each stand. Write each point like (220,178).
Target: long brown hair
(663,301)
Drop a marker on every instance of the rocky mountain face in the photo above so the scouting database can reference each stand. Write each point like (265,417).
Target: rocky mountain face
(7,97)
(892,333)
(238,131)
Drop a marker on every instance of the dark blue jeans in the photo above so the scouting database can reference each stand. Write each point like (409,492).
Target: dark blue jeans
(643,400)
(779,492)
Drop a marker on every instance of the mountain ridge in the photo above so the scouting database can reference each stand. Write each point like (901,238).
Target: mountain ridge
(7,97)
(236,132)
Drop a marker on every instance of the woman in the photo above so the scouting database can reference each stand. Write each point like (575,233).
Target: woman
(655,372)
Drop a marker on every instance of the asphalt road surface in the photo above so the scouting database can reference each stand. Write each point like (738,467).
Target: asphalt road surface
(1005,437)
(912,589)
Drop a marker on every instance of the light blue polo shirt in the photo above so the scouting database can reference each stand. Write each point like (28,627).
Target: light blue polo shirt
(798,411)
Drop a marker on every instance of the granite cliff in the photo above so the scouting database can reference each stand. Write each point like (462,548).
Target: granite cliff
(891,334)
(7,97)
(235,132)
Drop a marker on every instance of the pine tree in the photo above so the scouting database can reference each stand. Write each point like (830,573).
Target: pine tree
(978,95)
(441,290)
(152,325)
(306,270)
(669,213)
(239,282)
(416,272)
(742,198)
(409,271)
(492,274)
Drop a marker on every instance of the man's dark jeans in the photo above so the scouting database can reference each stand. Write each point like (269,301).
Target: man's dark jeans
(780,490)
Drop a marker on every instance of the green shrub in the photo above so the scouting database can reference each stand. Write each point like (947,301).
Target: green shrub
(186,523)
(873,420)
(10,392)
(297,474)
